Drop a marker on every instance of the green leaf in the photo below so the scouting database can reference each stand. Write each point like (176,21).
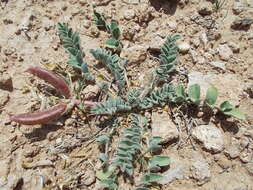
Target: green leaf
(235,113)
(226,106)
(109,184)
(104,174)
(154,144)
(73,63)
(180,93)
(112,44)
(100,20)
(230,110)
(194,93)
(114,29)
(150,178)
(103,139)
(160,161)
(102,157)
(211,96)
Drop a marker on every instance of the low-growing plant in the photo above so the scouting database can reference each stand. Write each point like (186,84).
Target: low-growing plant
(127,104)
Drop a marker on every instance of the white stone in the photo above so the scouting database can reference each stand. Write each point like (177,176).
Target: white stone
(200,171)
(162,126)
(177,171)
(129,14)
(135,54)
(172,25)
(225,52)
(210,136)
(183,47)
(203,39)
(219,64)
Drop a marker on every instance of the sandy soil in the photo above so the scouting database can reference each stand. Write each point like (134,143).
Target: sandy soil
(59,155)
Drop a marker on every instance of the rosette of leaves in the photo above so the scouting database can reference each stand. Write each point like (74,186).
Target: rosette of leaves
(72,43)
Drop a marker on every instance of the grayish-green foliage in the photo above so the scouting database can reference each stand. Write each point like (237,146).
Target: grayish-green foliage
(129,145)
(111,107)
(159,97)
(133,97)
(114,63)
(72,44)
(168,58)
(112,29)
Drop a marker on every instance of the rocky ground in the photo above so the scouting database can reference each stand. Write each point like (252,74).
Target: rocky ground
(216,49)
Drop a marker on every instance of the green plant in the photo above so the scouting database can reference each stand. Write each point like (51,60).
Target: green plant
(72,43)
(135,146)
(218,4)
(113,42)
(113,63)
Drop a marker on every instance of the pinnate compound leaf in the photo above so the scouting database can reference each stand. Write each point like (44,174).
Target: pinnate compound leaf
(211,96)
(194,93)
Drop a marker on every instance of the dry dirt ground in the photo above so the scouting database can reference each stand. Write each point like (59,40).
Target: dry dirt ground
(216,45)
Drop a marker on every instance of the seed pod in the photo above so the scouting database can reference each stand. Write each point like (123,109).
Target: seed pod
(52,79)
(40,117)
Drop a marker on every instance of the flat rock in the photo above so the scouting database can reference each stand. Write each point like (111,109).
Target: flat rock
(229,86)
(210,136)
(233,151)
(200,171)
(162,126)
(156,42)
(183,47)
(129,14)
(88,178)
(219,64)
(225,52)
(135,54)
(177,171)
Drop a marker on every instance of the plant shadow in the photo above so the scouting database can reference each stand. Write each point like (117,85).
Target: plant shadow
(40,134)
